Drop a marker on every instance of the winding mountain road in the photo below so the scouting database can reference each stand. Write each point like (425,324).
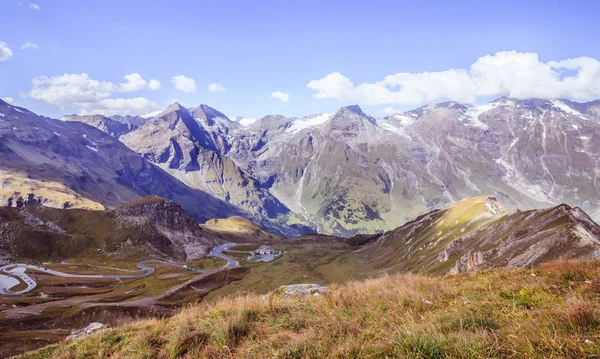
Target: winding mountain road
(18,270)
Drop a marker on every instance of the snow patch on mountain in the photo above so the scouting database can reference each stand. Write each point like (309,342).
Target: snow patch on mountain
(397,130)
(245,121)
(404,120)
(472,114)
(309,121)
(567,109)
(151,114)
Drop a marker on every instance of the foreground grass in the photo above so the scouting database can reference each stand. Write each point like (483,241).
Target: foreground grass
(551,312)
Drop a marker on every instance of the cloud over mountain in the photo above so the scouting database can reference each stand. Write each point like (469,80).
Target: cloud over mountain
(184,84)
(87,95)
(282,96)
(516,74)
(135,82)
(216,87)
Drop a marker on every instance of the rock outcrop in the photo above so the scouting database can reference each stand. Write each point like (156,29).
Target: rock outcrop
(300,290)
(92,328)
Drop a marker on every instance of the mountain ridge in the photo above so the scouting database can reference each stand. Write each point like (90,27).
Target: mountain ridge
(348,172)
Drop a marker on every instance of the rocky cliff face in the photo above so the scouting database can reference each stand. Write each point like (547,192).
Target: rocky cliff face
(190,145)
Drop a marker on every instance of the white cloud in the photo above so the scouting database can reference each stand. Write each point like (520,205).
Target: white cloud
(5,52)
(516,74)
(183,83)
(121,106)
(135,82)
(88,96)
(8,100)
(29,45)
(390,111)
(216,87)
(154,84)
(35,7)
(284,97)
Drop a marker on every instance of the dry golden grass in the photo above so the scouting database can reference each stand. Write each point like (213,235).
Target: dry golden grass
(15,184)
(551,312)
(235,224)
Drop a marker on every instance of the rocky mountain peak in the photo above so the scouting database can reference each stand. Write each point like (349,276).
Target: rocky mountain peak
(8,107)
(349,117)
(175,106)
(211,112)
(189,131)
(353,109)
(208,116)
(453,105)
(271,123)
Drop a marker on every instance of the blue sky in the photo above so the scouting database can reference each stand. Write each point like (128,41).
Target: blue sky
(254,48)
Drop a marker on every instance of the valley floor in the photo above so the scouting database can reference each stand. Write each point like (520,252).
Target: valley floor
(549,312)
(40,304)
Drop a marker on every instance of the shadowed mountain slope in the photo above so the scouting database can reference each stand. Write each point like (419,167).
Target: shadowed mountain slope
(74,165)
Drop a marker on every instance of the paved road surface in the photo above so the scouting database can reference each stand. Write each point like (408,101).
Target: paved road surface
(18,270)
(218,252)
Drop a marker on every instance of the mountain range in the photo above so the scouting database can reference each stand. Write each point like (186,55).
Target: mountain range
(347,172)
(419,192)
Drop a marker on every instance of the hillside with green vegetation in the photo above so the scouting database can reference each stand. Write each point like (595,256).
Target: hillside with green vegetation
(549,312)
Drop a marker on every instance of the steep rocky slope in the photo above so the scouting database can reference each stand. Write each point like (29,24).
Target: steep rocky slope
(189,145)
(103,123)
(478,233)
(73,165)
(347,172)
(148,227)
(351,173)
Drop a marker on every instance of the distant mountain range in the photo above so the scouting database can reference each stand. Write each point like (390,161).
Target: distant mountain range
(342,173)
